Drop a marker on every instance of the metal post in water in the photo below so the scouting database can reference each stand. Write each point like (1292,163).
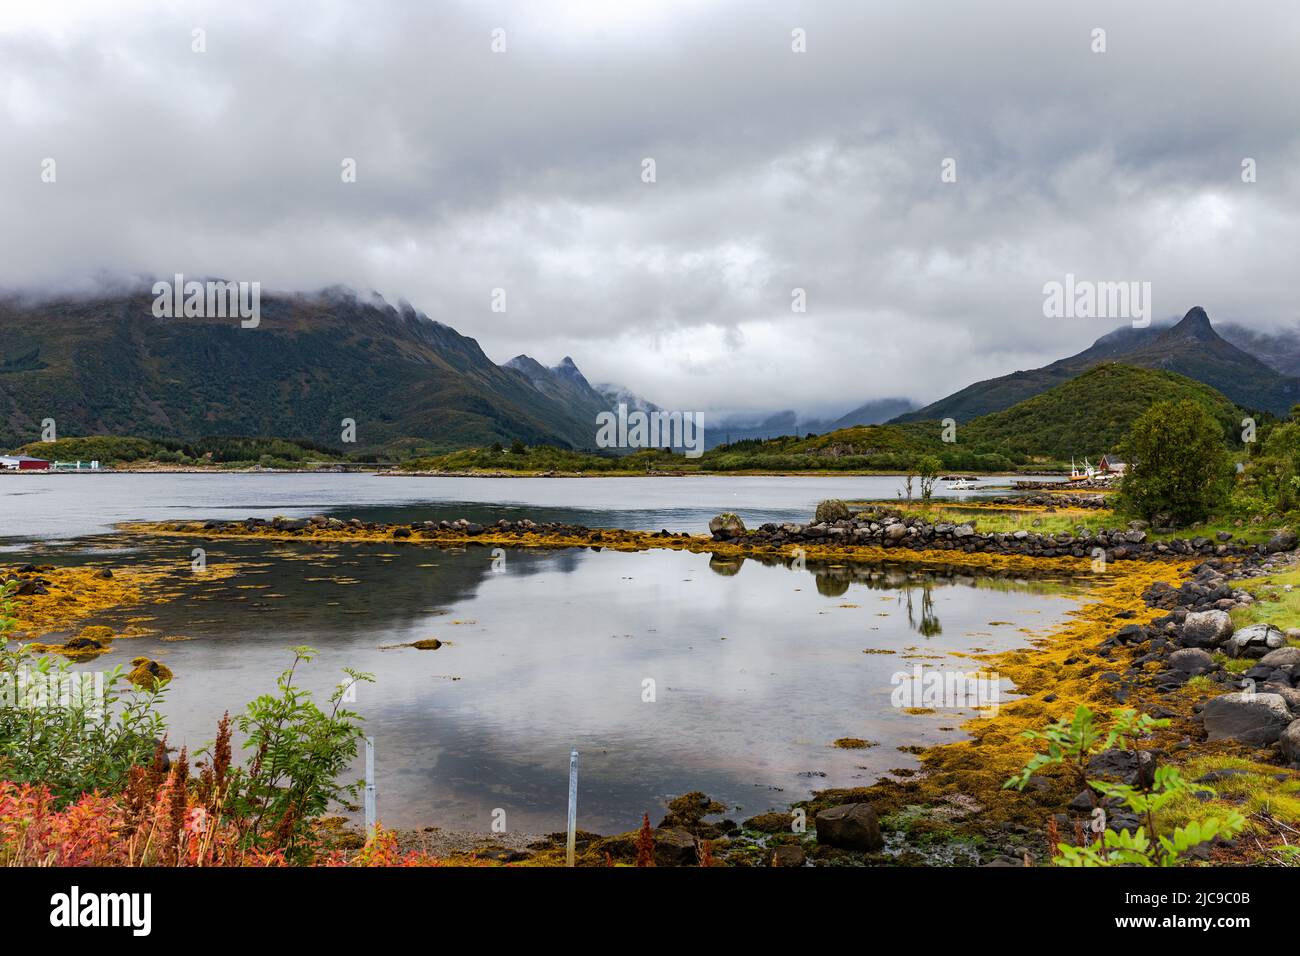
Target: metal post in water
(370,785)
(573,807)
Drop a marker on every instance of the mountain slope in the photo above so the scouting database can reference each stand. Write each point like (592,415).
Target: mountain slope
(1085,416)
(873,412)
(1090,414)
(108,366)
(1278,350)
(1191,348)
(563,384)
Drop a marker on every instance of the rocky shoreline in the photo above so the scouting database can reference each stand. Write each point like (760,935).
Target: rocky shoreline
(1159,636)
(879,529)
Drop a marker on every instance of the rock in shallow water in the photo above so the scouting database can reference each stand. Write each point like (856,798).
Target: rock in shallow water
(726,525)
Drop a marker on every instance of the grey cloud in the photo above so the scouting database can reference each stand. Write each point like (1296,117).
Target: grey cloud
(775,171)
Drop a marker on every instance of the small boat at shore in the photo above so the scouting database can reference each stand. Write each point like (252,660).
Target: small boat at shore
(961,484)
(1088,473)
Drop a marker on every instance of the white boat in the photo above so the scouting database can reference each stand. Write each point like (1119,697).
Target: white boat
(961,484)
(1088,473)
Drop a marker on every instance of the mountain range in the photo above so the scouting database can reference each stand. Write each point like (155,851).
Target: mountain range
(1191,347)
(415,385)
(108,366)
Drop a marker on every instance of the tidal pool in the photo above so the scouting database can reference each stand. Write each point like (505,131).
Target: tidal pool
(754,668)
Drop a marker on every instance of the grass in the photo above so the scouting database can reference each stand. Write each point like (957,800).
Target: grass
(1254,789)
(1273,603)
(1006,519)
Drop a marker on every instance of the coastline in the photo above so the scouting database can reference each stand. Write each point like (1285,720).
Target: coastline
(954,808)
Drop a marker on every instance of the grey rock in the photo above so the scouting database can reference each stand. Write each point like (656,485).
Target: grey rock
(1254,641)
(1290,743)
(1191,660)
(726,525)
(1205,629)
(1282,657)
(1255,719)
(1135,768)
(1282,541)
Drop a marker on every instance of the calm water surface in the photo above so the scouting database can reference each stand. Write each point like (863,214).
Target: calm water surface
(756,667)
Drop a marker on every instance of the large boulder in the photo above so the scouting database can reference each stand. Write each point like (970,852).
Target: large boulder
(850,826)
(1191,660)
(1282,657)
(1255,719)
(1205,629)
(726,525)
(1290,742)
(674,846)
(1282,541)
(830,511)
(1254,641)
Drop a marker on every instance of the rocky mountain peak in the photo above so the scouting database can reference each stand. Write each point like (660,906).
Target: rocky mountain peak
(1194,325)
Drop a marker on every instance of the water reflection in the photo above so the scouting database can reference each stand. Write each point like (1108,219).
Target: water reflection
(759,665)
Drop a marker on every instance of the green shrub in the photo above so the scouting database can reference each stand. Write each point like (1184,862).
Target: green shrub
(69,730)
(1178,465)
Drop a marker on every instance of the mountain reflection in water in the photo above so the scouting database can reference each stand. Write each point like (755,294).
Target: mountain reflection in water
(757,667)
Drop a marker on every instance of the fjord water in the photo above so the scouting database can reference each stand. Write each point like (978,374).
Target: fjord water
(42,506)
(757,668)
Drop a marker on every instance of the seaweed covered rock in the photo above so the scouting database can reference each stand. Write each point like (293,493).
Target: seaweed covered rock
(686,812)
(774,822)
(149,674)
(830,511)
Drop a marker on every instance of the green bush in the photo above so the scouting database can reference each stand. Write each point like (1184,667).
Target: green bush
(62,728)
(1178,465)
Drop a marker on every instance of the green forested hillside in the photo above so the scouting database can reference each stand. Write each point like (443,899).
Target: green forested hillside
(1191,348)
(1090,414)
(109,367)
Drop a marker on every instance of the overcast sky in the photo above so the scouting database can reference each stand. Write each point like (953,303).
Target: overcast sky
(819,170)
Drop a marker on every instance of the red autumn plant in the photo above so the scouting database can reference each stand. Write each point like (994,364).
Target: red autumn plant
(96,830)
(645,843)
(706,853)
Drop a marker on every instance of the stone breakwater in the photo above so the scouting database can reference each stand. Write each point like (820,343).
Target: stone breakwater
(899,531)
(1049,501)
(864,532)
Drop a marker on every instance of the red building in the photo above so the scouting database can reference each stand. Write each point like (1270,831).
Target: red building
(23,463)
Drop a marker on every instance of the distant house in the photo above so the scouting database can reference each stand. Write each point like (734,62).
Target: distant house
(23,463)
(1111,465)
